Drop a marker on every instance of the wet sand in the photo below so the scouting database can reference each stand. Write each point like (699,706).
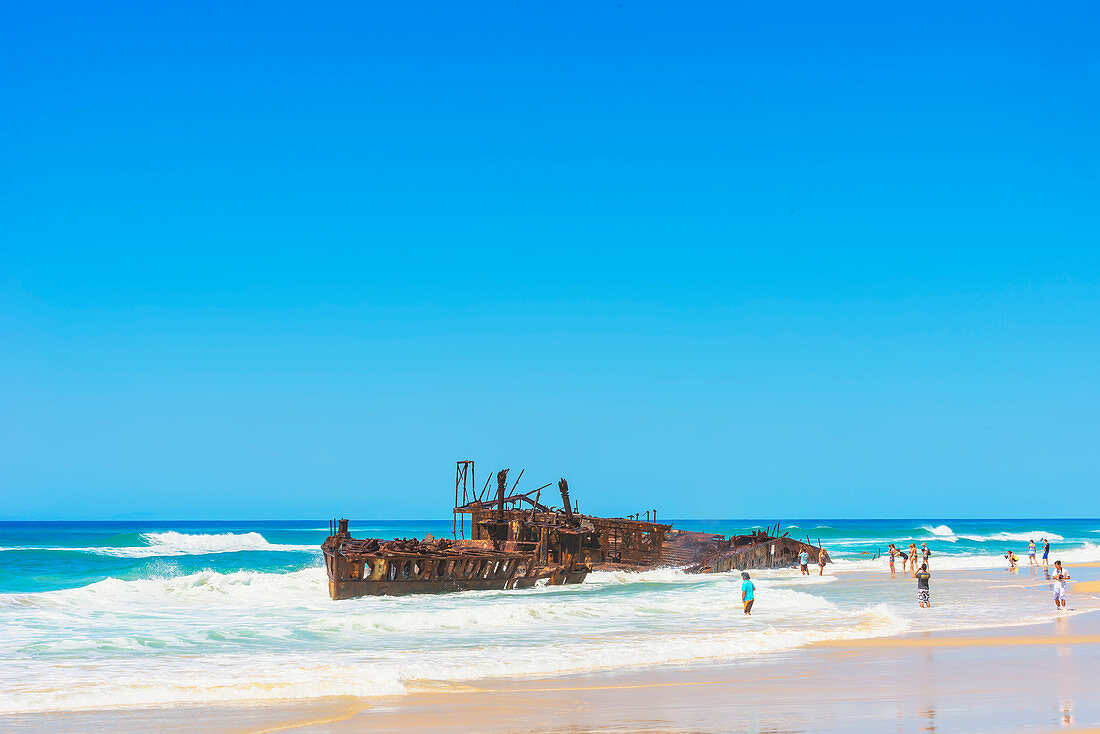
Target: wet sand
(1038,678)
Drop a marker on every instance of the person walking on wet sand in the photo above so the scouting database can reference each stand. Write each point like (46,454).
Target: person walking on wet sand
(1046,552)
(1061,576)
(924,598)
(748,591)
(1031,553)
(804,561)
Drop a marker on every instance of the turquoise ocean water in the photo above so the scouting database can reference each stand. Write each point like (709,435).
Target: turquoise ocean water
(149,613)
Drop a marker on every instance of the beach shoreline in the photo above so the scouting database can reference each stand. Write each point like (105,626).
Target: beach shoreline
(951,680)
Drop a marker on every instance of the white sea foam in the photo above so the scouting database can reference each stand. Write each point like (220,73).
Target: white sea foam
(211,636)
(1036,535)
(945,533)
(249,635)
(171,543)
(941,532)
(203,587)
(150,642)
(1086,553)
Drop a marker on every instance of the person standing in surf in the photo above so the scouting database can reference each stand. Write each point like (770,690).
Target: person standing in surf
(820,561)
(1061,576)
(926,553)
(1046,552)
(1031,562)
(913,558)
(748,592)
(894,553)
(924,597)
(804,561)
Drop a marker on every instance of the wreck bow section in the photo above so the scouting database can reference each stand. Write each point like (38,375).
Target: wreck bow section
(371,567)
(508,549)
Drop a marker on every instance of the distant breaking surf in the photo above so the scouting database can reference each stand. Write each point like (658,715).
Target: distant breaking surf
(171,543)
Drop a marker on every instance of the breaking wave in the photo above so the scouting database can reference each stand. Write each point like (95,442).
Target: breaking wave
(171,543)
(941,532)
(1023,537)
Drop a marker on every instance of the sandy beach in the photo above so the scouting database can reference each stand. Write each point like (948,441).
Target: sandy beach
(1035,678)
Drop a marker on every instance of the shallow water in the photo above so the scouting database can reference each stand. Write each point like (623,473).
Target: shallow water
(100,614)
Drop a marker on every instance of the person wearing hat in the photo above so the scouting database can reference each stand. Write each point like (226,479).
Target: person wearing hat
(748,590)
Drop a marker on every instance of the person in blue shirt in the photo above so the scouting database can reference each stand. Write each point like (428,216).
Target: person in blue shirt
(748,590)
(804,561)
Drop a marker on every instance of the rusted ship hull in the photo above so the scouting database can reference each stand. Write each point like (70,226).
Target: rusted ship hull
(506,551)
(384,571)
(756,551)
(352,589)
(517,541)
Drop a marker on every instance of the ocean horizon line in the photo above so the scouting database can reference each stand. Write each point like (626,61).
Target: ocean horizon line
(772,519)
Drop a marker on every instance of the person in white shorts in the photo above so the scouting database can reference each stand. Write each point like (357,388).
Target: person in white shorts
(1060,576)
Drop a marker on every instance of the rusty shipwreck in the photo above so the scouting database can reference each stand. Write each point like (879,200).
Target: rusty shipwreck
(516,541)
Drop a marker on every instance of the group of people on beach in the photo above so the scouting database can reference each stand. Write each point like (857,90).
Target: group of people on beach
(1060,576)
(924,591)
(910,557)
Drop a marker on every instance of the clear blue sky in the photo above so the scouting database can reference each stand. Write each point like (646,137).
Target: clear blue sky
(727,260)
